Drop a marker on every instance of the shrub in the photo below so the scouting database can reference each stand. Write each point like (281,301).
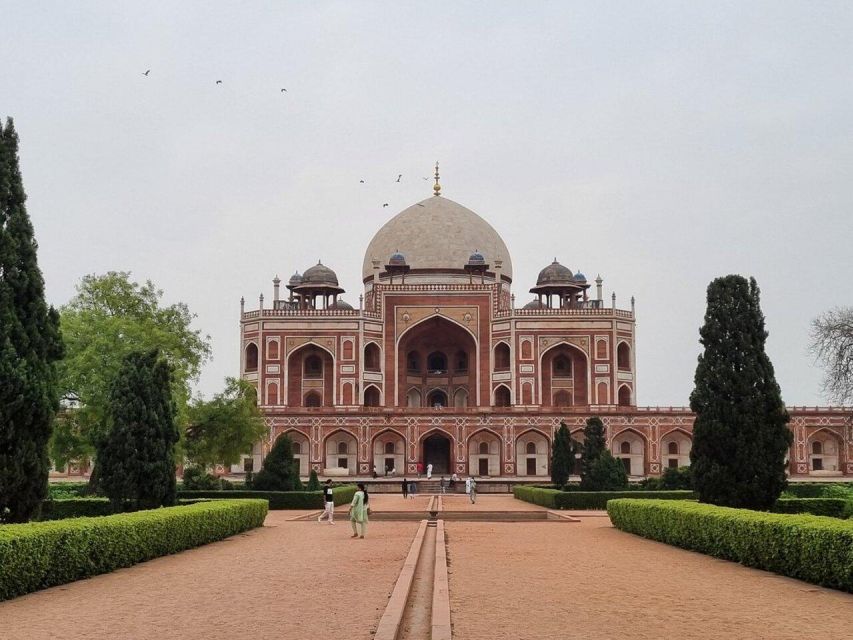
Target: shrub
(606,473)
(60,490)
(807,547)
(279,500)
(59,509)
(832,507)
(594,445)
(313,482)
(280,471)
(820,490)
(43,554)
(679,478)
(198,479)
(553,499)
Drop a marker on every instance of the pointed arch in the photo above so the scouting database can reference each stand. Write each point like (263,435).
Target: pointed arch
(502,356)
(501,396)
(387,459)
(634,458)
(623,355)
(372,356)
(578,378)
(251,357)
(333,456)
(625,396)
(372,396)
(484,448)
(301,449)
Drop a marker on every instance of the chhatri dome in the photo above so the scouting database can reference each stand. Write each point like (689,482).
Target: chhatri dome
(437,234)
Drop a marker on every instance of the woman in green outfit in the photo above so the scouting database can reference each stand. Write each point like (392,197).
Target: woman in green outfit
(358,511)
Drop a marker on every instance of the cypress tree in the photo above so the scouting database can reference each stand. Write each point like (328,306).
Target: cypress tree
(280,471)
(593,447)
(562,456)
(313,482)
(740,434)
(30,345)
(136,459)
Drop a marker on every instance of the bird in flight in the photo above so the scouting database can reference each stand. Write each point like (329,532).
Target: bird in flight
(399,176)
(284,91)
(147,72)
(426,178)
(385,205)
(361,181)
(219,82)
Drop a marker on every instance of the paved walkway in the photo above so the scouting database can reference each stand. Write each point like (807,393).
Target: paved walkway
(542,580)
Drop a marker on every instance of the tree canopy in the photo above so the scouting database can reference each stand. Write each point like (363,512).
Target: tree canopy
(30,345)
(110,317)
(220,430)
(562,456)
(832,344)
(740,434)
(600,471)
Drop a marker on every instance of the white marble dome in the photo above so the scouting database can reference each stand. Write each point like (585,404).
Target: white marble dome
(437,233)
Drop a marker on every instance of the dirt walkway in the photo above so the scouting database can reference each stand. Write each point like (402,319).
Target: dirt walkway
(287,580)
(591,581)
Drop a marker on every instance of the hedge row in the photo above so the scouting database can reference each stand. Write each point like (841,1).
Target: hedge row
(554,499)
(280,499)
(44,554)
(60,509)
(832,507)
(820,490)
(807,547)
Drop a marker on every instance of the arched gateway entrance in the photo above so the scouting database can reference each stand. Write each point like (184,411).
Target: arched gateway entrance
(436,451)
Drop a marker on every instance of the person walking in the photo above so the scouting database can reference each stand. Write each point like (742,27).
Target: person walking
(405,488)
(429,471)
(328,504)
(443,484)
(413,489)
(358,511)
(468,485)
(420,468)
(473,493)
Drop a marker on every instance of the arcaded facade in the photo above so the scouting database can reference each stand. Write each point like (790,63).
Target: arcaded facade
(438,364)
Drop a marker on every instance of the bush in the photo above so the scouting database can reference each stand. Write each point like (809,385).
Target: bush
(679,478)
(280,500)
(832,507)
(820,490)
(313,482)
(60,509)
(198,479)
(43,554)
(61,490)
(811,548)
(590,499)
(605,473)
(280,471)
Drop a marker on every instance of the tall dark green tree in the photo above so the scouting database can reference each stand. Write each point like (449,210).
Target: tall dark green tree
(280,471)
(137,457)
(30,345)
(562,456)
(740,434)
(600,471)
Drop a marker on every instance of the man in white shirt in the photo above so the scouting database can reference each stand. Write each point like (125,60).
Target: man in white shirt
(328,504)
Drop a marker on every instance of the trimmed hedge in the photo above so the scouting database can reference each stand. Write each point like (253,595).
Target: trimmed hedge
(59,509)
(811,548)
(832,507)
(279,500)
(554,499)
(44,554)
(820,490)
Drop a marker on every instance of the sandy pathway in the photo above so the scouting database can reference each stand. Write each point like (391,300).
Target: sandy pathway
(287,580)
(591,581)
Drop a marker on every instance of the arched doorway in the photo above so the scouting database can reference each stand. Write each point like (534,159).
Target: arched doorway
(437,398)
(484,454)
(436,451)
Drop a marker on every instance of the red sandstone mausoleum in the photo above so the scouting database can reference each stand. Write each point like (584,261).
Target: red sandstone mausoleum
(437,364)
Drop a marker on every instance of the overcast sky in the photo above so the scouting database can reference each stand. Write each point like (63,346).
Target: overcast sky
(660,144)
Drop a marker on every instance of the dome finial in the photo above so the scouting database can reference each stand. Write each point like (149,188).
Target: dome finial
(437,188)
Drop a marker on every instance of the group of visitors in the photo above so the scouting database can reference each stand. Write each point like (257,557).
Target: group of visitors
(360,505)
(358,512)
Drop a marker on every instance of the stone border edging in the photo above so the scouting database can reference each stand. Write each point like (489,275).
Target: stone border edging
(389,623)
(441,629)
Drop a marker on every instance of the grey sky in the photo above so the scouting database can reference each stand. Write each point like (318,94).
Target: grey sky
(659,144)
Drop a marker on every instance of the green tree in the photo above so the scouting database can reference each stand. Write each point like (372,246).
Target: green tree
(594,445)
(562,456)
(137,457)
(222,429)
(110,317)
(280,471)
(30,346)
(740,434)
